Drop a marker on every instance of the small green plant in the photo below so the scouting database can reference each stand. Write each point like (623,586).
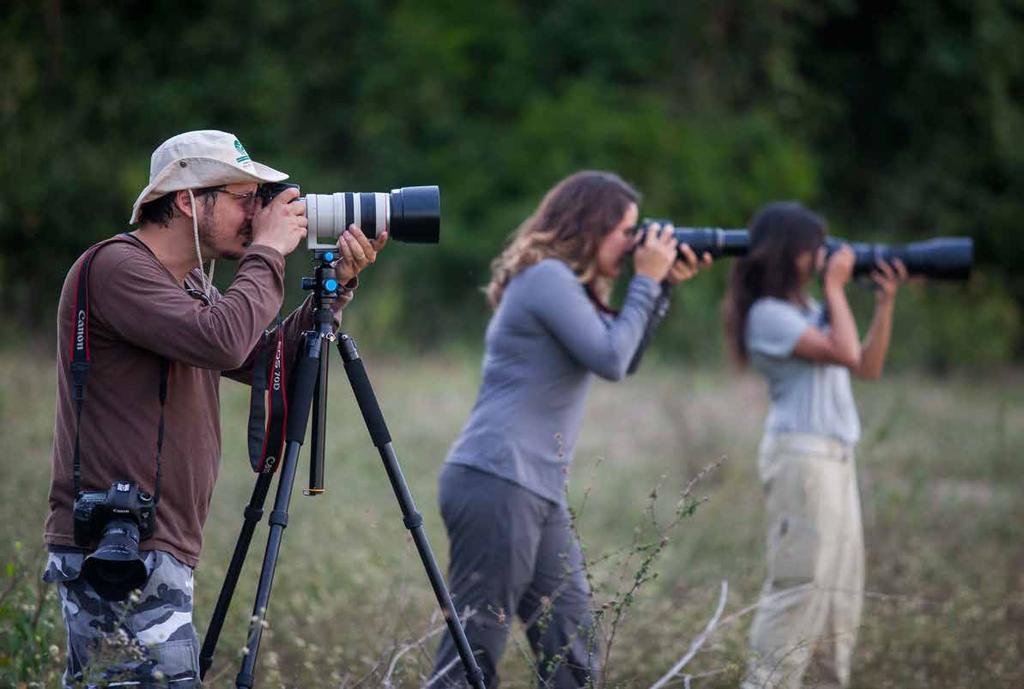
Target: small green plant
(632,567)
(615,578)
(30,650)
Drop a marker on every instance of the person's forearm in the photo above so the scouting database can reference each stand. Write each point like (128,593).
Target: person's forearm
(843,329)
(218,336)
(661,304)
(876,342)
(294,327)
(554,296)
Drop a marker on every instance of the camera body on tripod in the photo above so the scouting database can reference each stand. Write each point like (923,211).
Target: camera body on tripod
(96,509)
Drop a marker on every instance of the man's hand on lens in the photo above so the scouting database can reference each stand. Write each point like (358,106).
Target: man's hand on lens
(656,253)
(357,252)
(687,266)
(281,224)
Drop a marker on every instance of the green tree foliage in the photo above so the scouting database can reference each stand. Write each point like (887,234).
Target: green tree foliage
(898,120)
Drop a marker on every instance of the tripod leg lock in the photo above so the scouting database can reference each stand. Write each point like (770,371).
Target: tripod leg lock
(279,518)
(253,514)
(245,679)
(413,521)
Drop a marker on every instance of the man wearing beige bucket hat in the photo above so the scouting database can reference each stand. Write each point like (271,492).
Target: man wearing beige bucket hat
(157,337)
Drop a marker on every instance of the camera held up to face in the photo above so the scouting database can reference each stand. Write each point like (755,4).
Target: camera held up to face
(943,258)
(409,214)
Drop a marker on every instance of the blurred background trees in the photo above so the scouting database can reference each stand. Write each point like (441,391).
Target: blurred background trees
(898,120)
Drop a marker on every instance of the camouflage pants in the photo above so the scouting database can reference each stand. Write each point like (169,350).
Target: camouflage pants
(147,641)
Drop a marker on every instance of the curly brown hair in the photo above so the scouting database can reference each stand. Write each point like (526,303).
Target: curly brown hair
(569,224)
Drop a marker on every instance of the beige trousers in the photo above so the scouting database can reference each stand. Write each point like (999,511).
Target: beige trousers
(811,601)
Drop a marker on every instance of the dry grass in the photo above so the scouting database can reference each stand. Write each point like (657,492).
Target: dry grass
(940,477)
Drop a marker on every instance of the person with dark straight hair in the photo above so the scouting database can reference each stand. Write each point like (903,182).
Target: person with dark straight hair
(502,488)
(811,601)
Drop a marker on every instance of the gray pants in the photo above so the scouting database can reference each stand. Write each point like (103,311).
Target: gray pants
(147,641)
(513,553)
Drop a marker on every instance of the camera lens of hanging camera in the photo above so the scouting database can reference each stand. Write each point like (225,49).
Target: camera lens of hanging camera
(116,520)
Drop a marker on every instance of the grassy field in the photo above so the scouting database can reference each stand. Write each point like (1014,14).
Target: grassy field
(940,475)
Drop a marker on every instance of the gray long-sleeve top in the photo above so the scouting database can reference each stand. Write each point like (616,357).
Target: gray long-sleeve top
(542,343)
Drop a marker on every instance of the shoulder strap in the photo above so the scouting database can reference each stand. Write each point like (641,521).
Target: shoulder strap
(80,356)
(266,433)
(81,360)
(661,304)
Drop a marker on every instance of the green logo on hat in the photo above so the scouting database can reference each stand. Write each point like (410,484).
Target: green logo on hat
(241,149)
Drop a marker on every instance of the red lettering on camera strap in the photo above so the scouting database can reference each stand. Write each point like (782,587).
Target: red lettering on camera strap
(267,431)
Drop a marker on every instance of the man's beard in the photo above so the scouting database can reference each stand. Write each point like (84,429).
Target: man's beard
(208,238)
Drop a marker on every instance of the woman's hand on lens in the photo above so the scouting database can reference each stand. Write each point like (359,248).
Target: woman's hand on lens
(280,224)
(888,277)
(655,255)
(840,267)
(357,252)
(687,265)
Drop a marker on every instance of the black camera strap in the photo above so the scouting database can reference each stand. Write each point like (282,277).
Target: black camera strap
(661,304)
(267,432)
(165,369)
(658,312)
(79,369)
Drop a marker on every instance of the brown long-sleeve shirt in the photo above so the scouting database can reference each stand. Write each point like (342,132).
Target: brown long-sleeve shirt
(139,314)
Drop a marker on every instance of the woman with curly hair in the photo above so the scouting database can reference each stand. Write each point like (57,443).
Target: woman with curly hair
(502,488)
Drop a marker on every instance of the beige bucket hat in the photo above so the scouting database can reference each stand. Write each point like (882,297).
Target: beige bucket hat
(203,158)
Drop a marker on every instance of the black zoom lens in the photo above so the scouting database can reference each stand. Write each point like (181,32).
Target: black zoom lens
(116,567)
(945,258)
(714,241)
(711,240)
(410,214)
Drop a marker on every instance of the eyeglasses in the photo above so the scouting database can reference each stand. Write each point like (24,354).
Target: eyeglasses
(247,199)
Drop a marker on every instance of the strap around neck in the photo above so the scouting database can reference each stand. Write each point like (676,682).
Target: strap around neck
(81,361)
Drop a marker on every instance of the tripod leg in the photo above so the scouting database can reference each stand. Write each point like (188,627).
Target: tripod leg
(413,520)
(302,399)
(253,514)
(278,521)
(318,429)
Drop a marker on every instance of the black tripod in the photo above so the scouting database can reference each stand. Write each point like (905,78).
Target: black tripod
(308,384)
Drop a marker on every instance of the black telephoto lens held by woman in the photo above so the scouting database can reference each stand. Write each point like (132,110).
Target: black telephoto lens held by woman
(942,258)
